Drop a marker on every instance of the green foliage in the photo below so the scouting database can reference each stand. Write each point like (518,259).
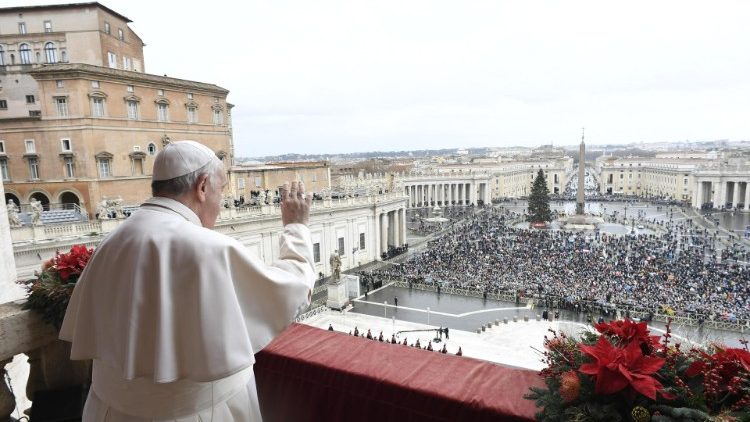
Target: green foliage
(50,291)
(539,210)
(685,392)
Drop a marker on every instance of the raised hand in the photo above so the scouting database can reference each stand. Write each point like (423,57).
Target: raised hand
(295,205)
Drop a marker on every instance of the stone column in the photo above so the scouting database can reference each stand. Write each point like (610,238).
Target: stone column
(735,194)
(697,191)
(719,198)
(395,228)
(9,290)
(747,197)
(720,194)
(402,224)
(383,232)
(376,235)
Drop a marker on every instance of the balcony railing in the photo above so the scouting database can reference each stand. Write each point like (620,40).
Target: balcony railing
(228,216)
(309,374)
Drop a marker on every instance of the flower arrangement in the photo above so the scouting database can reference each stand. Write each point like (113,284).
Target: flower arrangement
(50,291)
(622,373)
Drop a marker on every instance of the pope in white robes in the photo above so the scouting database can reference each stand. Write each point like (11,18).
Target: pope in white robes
(172,312)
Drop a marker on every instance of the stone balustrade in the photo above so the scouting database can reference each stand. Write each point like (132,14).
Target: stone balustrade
(36,234)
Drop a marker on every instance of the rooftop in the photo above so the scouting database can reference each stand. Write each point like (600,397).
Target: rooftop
(17,9)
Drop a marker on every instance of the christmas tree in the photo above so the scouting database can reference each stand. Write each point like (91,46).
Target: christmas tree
(539,200)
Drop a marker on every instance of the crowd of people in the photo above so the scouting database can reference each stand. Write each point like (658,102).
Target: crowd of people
(681,271)
(419,220)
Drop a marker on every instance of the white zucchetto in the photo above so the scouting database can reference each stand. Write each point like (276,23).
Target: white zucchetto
(180,158)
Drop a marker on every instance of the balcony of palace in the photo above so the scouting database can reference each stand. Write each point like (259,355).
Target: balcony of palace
(305,374)
(380,217)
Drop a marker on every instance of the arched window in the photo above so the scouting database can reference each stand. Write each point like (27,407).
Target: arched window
(2,56)
(25,51)
(151,149)
(50,52)
(69,200)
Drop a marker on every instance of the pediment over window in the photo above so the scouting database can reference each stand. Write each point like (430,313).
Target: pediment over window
(162,100)
(137,155)
(132,98)
(104,155)
(217,107)
(97,94)
(191,103)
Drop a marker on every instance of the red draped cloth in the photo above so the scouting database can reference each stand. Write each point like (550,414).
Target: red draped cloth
(309,374)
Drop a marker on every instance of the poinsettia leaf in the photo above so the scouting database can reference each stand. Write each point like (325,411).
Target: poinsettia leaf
(645,385)
(649,365)
(589,369)
(695,368)
(608,382)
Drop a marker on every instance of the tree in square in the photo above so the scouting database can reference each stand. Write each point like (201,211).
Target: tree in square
(539,211)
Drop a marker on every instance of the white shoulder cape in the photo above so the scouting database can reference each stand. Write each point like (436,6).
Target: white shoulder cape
(166,299)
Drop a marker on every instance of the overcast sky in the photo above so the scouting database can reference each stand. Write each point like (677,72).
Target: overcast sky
(316,76)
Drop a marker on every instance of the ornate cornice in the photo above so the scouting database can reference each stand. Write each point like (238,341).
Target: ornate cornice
(87,71)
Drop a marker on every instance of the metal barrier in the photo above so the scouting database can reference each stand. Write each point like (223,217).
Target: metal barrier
(740,326)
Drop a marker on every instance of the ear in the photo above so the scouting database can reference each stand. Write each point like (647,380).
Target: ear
(201,188)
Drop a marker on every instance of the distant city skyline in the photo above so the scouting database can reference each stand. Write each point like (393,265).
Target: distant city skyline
(352,76)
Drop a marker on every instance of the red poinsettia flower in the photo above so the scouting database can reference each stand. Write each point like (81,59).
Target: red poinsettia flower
(617,368)
(72,263)
(628,331)
(730,360)
(740,355)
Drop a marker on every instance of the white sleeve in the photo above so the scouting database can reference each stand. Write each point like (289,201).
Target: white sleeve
(270,296)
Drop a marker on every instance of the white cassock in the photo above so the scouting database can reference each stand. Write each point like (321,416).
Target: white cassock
(172,314)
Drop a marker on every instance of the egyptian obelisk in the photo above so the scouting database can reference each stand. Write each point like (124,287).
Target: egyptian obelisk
(581,175)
